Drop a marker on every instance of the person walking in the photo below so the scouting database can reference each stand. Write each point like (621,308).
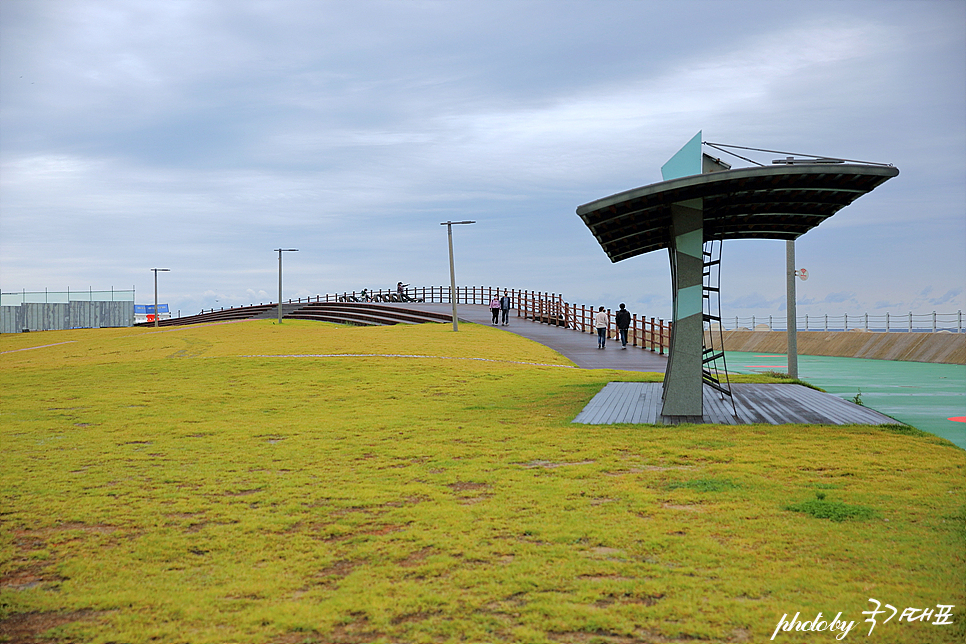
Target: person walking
(623,320)
(601,321)
(495,309)
(505,307)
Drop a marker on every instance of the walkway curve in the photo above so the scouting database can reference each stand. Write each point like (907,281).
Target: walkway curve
(579,347)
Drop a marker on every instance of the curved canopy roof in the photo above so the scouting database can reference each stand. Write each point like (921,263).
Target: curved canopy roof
(779,202)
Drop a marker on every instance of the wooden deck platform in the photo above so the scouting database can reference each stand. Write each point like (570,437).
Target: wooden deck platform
(777,404)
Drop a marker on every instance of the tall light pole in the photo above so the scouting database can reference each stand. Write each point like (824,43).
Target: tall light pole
(452,271)
(163,270)
(280,251)
(791,312)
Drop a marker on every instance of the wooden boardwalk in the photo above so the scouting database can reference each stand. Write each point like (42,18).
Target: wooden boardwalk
(778,404)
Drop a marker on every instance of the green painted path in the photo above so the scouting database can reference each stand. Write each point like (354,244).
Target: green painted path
(923,395)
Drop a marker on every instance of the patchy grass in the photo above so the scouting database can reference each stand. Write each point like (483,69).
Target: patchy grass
(308,482)
(785,379)
(704,485)
(821,508)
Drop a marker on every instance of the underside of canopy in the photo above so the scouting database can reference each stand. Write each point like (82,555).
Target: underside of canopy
(781,202)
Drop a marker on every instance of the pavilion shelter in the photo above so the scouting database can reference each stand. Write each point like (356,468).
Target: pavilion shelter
(703,200)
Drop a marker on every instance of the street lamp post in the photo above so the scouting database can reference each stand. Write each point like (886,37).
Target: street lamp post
(791,312)
(280,251)
(452,271)
(163,270)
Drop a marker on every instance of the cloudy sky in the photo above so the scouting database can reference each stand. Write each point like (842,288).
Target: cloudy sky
(201,135)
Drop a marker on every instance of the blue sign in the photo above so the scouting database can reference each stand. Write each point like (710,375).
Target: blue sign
(148,309)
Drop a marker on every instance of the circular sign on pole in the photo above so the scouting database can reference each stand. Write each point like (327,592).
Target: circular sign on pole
(802,274)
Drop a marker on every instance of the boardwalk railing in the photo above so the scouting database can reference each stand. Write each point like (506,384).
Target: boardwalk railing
(547,308)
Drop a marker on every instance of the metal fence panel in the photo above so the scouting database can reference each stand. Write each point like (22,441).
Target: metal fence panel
(46,317)
(57,316)
(113,314)
(12,319)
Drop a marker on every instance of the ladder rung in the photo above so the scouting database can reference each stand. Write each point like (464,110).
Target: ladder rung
(718,387)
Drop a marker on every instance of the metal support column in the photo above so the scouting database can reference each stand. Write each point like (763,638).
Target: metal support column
(683,387)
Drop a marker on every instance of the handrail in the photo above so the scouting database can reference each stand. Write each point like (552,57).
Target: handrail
(887,322)
(652,334)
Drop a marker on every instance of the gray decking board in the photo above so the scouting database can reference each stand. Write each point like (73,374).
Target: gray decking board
(625,399)
(778,404)
(717,405)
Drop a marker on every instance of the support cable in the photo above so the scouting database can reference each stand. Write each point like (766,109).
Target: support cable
(720,146)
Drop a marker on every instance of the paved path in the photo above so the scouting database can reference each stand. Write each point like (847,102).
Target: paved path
(579,347)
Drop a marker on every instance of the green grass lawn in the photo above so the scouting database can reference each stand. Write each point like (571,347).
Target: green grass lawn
(305,482)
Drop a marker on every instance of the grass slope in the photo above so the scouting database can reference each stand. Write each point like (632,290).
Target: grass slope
(194,485)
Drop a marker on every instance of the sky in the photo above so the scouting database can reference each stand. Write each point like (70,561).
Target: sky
(200,136)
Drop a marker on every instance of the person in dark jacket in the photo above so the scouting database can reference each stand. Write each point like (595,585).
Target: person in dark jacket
(623,320)
(505,307)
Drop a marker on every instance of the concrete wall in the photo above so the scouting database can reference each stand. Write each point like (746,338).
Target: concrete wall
(65,315)
(942,348)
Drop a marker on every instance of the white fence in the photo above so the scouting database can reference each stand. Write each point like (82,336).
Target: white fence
(886,322)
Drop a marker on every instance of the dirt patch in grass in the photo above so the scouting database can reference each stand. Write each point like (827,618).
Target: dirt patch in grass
(551,464)
(416,558)
(29,567)
(27,628)
(598,637)
(686,508)
(356,632)
(338,569)
(413,618)
(462,486)
(611,599)
(28,574)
